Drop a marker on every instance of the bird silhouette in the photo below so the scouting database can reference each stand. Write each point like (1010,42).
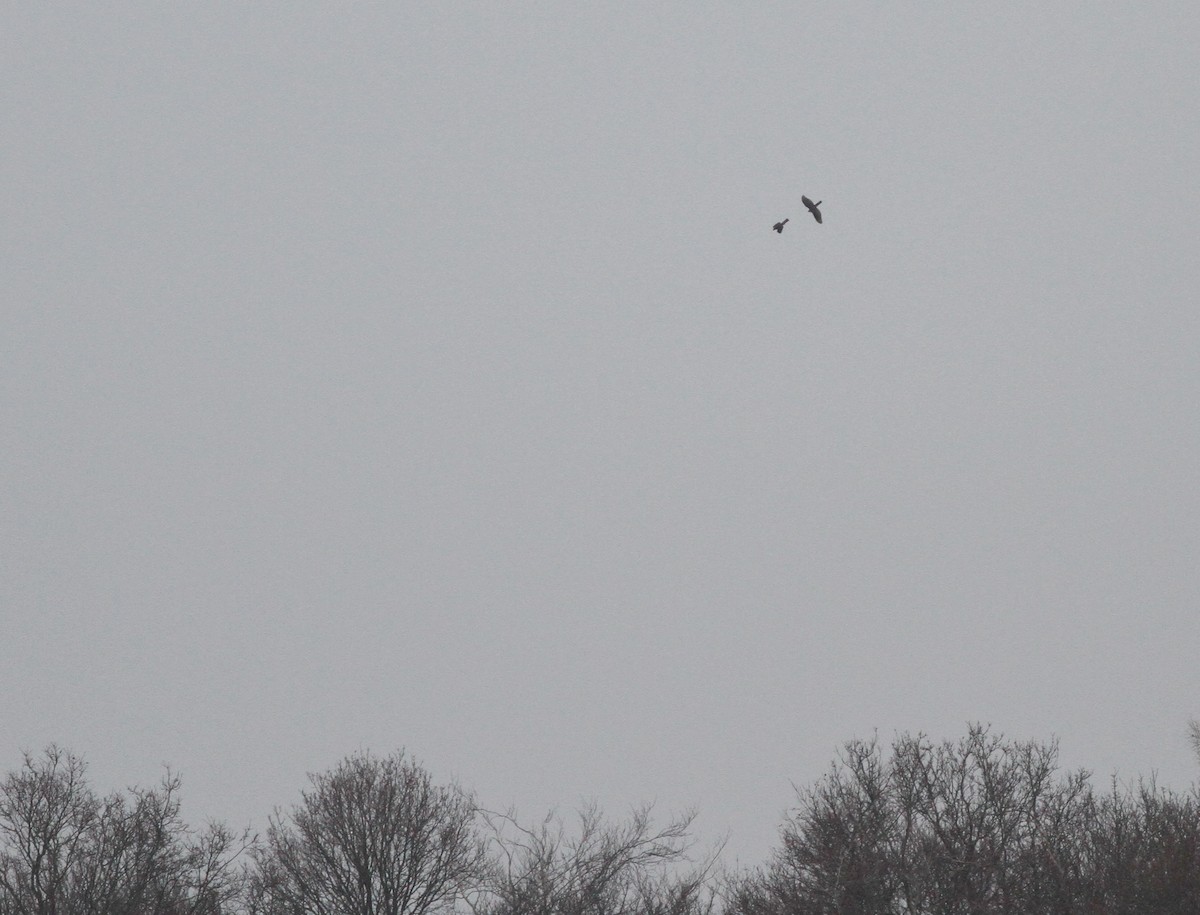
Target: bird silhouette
(812,207)
(778,227)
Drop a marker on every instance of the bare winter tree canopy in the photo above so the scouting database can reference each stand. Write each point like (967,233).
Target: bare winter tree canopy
(981,825)
(977,826)
(598,868)
(374,836)
(65,851)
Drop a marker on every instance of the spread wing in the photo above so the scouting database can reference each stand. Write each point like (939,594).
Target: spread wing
(812,208)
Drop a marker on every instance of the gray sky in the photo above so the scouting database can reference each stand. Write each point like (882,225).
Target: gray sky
(429,375)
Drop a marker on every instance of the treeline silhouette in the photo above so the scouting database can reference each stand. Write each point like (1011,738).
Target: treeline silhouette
(967,827)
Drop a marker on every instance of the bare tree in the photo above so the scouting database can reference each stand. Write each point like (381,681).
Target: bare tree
(64,851)
(46,812)
(1194,736)
(142,858)
(374,836)
(985,820)
(1144,852)
(597,868)
(980,825)
(838,847)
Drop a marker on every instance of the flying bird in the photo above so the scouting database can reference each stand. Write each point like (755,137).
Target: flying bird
(812,207)
(778,227)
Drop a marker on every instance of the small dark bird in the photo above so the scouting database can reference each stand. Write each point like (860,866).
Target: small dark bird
(778,227)
(812,207)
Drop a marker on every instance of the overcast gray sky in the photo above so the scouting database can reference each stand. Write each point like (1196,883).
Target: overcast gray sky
(429,375)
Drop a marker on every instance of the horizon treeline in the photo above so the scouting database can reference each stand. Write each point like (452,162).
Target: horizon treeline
(967,827)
